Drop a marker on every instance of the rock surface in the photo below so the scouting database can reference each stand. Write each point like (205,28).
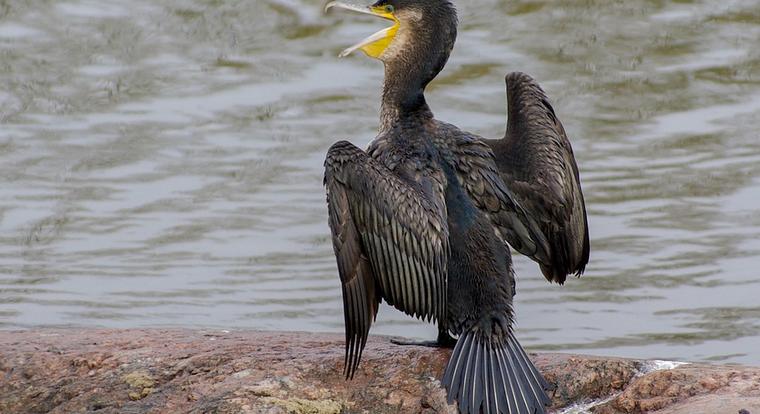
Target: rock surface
(181,371)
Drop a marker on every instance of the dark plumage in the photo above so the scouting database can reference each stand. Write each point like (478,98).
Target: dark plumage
(420,219)
(536,160)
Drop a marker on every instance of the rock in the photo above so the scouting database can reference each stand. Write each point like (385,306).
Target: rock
(690,388)
(157,371)
(582,378)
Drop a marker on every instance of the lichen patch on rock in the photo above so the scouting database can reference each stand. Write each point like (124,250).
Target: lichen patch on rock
(141,384)
(302,406)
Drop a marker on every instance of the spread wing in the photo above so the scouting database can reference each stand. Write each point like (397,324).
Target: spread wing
(390,242)
(537,163)
(476,170)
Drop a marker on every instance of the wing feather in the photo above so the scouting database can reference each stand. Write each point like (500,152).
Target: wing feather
(476,169)
(390,242)
(537,162)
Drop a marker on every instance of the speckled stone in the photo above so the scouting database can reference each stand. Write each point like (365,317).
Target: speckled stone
(173,371)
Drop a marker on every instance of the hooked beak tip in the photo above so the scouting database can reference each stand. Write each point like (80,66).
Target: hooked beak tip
(347,6)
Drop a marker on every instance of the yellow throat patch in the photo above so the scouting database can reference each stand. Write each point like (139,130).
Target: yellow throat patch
(376,44)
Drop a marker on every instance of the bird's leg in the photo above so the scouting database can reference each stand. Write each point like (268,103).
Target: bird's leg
(444,340)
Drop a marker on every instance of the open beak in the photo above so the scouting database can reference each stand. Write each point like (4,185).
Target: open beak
(375,44)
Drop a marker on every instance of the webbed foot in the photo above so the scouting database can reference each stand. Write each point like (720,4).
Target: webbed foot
(444,341)
(405,342)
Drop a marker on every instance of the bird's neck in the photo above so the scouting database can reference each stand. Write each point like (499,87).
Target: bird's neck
(416,56)
(403,96)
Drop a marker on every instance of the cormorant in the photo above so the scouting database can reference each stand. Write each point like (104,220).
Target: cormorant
(421,218)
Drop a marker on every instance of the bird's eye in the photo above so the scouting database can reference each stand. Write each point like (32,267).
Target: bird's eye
(389,9)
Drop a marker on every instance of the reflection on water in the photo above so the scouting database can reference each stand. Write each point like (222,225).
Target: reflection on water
(161,163)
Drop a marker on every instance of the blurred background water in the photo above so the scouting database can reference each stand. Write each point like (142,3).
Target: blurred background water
(161,161)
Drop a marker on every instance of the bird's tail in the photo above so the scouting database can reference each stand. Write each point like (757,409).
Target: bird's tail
(491,376)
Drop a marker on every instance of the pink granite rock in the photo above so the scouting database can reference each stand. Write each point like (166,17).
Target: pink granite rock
(182,371)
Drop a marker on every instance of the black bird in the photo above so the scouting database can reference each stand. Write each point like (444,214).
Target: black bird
(421,218)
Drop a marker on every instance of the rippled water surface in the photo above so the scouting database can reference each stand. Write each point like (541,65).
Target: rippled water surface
(160,163)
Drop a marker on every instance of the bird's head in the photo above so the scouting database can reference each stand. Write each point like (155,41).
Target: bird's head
(414,50)
(421,29)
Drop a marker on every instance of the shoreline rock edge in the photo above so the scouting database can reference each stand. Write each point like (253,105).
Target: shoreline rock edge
(218,371)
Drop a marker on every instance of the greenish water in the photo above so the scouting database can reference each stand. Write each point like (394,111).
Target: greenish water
(160,163)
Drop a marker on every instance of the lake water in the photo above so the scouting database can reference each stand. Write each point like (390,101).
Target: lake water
(161,162)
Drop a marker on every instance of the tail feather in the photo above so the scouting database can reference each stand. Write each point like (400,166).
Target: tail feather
(508,383)
(493,376)
(456,367)
(502,403)
(515,398)
(530,368)
(468,376)
(477,376)
(527,397)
